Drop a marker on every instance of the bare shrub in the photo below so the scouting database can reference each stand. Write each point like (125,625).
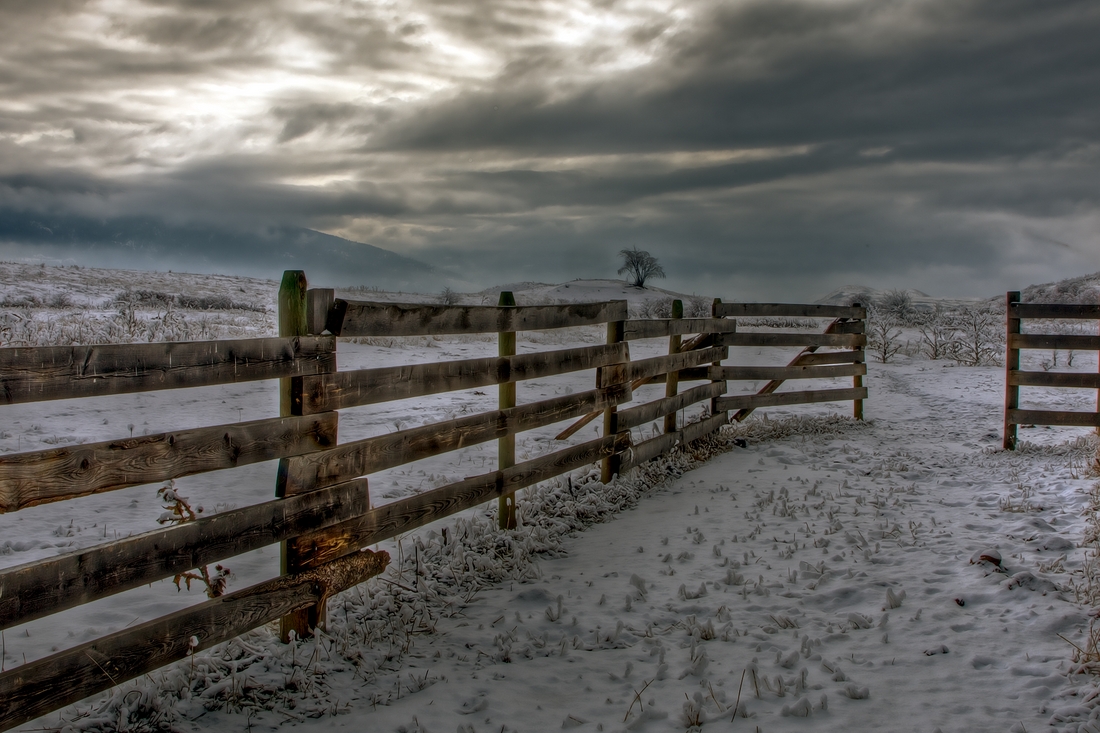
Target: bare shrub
(653,308)
(697,307)
(979,335)
(883,335)
(897,305)
(936,334)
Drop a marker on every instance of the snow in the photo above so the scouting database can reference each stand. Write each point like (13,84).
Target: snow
(804,569)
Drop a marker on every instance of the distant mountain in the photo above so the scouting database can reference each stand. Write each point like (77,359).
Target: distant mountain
(139,242)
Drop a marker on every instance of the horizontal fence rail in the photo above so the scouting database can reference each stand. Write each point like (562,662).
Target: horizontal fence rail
(27,479)
(40,373)
(369,386)
(1015,377)
(322,512)
(360,318)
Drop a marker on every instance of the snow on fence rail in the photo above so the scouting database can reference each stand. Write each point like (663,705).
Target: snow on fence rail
(321,510)
(1015,313)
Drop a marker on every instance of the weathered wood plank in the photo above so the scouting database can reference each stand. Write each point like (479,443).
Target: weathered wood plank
(1053,417)
(368,386)
(672,379)
(787,372)
(318,304)
(39,588)
(27,479)
(1053,341)
(633,330)
(654,447)
(506,400)
(412,512)
(694,431)
(691,374)
(1084,380)
(361,457)
(38,373)
(1084,311)
(850,327)
(647,368)
(364,318)
(39,687)
(840,340)
(789,310)
(647,450)
(650,411)
(831,357)
(755,401)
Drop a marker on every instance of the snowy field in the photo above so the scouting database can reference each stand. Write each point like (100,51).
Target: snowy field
(802,571)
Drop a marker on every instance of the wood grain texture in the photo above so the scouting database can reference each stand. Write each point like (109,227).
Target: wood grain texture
(412,512)
(635,416)
(364,318)
(1011,365)
(654,447)
(1084,380)
(1089,311)
(831,357)
(43,587)
(837,340)
(369,386)
(369,455)
(39,687)
(755,401)
(1053,417)
(787,372)
(506,400)
(788,310)
(633,330)
(40,373)
(1053,341)
(27,479)
(648,368)
(318,305)
(694,431)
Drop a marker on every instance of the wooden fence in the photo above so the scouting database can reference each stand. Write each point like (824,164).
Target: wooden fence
(1015,313)
(321,513)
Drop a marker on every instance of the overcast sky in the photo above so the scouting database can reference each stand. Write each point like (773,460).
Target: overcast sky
(762,150)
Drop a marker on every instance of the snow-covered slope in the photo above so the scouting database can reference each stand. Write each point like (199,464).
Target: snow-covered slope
(849,294)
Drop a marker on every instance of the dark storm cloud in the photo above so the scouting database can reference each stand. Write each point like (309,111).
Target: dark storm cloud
(964,80)
(784,145)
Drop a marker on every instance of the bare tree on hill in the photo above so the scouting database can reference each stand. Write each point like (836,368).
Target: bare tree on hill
(639,265)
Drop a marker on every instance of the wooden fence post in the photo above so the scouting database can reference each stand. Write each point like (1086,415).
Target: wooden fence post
(857,380)
(293,321)
(1012,364)
(318,303)
(672,379)
(714,306)
(506,446)
(612,463)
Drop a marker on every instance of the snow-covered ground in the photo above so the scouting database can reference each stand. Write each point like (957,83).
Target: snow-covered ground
(827,574)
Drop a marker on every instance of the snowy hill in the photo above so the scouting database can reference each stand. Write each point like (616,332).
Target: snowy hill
(593,290)
(848,294)
(1084,289)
